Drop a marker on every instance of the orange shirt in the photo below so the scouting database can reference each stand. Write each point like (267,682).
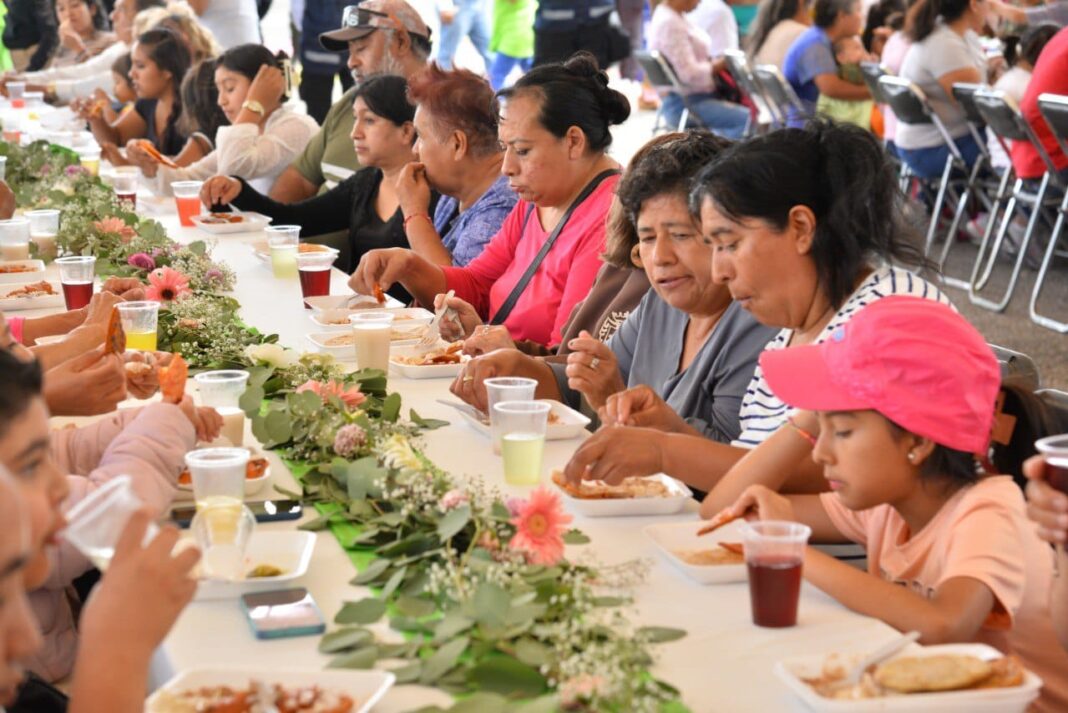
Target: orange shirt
(982,532)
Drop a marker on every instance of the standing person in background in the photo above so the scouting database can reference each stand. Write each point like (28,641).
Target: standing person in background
(233,22)
(564,27)
(30,33)
(460,19)
(318,65)
(718,22)
(778,24)
(632,19)
(513,39)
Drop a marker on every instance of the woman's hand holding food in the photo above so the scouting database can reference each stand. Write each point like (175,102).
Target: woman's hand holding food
(136,154)
(643,407)
(613,454)
(592,369)
(219,190)
(379,267)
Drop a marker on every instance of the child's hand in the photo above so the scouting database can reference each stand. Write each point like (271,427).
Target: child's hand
(206,421)
(1046,505)
(764,503)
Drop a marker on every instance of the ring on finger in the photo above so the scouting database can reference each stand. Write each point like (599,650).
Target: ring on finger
(594,363)
(467,379)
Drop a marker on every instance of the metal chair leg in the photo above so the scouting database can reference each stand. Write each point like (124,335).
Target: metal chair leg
(1000,304)
(936,210)
(1040,279)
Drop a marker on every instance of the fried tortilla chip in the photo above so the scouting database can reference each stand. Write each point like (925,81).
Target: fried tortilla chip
(115,341)
(172,379)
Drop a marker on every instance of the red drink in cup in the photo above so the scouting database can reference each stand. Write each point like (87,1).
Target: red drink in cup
(774,553)
(187,200)
(76,274)
(1055,452)
(314,271)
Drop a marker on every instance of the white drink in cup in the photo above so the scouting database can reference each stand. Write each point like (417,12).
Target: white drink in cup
(97,521)
(505,388)
(372,335)
(522,426)
(44,226)
(15,239)
(222,390)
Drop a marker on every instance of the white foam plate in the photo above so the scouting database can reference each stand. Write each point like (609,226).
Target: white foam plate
(33,275)
(366,687)
(289,550)
(434,371)
(318,304)
(263,252)
(676,536)
(631,507)
(251,222)
(990,700)
(11,304)
(570,423)
(338,319)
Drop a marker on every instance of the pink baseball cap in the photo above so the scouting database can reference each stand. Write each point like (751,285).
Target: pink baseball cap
(915,361)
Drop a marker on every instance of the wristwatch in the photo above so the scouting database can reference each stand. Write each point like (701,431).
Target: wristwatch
(255,107)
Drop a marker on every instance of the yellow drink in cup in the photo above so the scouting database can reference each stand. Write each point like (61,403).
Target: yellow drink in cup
(284,242)
(141,341)
(522,427)
(139,321)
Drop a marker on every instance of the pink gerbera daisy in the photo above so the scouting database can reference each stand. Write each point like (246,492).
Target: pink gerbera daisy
(167,285)
(116,226)
(540,524)
(351,396)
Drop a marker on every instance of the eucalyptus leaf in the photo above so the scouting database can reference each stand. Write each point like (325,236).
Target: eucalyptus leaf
(251,401)
(532,652)
(360,659)
(442,660)
(372,573)
(319,523)
(391,406)
(507,676)
(415,606)
(491,604)
(660,634)
(427,424)
(453,521)
(279,427)
(451,624)
(609,601)
(408,624)
(575,537)
(393,582)
(365,611)
(409,673)
(343,639)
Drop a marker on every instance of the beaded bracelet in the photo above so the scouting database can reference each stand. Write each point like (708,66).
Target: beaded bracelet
(412,217)
(802,432)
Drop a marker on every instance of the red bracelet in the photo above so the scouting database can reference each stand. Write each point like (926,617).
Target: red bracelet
(410,218)
(802,432)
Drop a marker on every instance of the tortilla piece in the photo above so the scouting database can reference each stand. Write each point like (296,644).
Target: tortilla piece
(379,295)
(945,672)
(149,148)
(172,379)
(1007,673)
(723,517)
(115,341)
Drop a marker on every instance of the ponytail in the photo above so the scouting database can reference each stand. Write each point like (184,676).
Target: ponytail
(923,17)
(247,59)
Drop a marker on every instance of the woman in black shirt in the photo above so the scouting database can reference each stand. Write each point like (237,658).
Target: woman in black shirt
(366,203)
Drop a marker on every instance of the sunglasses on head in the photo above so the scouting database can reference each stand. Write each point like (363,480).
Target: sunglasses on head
(356,16)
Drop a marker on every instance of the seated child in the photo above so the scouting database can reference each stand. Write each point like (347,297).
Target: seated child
(849,53)
(906,397)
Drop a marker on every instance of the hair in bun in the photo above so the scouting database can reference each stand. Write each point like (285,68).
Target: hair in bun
(574,93)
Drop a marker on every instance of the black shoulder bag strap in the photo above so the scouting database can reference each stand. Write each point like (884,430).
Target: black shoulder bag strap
(517,291)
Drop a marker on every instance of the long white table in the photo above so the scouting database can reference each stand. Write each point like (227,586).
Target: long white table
(723,664)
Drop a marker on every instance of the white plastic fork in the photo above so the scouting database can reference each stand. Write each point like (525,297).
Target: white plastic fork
(433,330)
(877,656)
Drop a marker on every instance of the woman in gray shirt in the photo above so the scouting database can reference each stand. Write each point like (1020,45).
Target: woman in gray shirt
(687,340)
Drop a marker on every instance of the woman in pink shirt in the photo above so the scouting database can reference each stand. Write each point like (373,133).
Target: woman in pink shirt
(907,395)
(555,130)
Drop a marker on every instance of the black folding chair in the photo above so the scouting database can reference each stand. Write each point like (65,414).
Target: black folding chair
(911,107)
(1054,109)
(662,75)
(740,69)
(1003,117)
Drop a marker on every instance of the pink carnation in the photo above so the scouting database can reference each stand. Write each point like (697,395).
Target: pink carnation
(142,261)
(351,396)
(540,525)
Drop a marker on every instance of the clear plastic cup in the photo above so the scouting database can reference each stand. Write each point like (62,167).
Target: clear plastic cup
(96,522)
(76,273)
(15,239)
(314,272)
(90,160)
(187,200)
(505,388)
(284,243)
(34,100)
(44,226)
(218,476)
(1054,450)
(16,92)
(222,533)
(139,321)
(124,182)
(222,390)
(3,167)
(372,335)
(522,428)
(774,554)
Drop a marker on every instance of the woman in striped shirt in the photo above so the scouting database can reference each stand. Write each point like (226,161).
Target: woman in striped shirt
(806,229)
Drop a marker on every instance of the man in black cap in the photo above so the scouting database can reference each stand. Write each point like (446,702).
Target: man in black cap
(382,37)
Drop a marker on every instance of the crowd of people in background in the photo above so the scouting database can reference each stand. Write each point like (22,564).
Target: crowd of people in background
(750,313)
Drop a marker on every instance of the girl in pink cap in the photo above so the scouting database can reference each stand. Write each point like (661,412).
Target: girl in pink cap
(909,396)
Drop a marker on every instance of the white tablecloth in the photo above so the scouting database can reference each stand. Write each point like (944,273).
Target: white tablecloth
(723,664)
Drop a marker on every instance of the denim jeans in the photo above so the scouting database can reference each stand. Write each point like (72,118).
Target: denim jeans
(502,66)
(930,162)
(727,119)
(472,19)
